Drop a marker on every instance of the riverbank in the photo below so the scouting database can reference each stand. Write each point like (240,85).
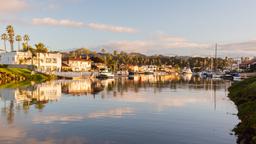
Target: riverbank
(244,96)
(12,76)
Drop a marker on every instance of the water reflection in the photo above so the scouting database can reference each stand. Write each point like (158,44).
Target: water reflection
(85,105)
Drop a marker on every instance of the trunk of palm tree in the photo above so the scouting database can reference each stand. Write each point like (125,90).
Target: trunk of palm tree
(12,47)
(5,45)
(18,45)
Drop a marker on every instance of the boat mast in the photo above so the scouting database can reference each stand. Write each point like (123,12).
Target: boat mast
(215,60)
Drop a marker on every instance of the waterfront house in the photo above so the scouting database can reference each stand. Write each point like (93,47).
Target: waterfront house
(45,62)
(134,68)
(78,64)
(248,65)
(15,58)
(48,62)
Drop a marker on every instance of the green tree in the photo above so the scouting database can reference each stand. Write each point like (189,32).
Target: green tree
(40,48)
(4,37)
(26,40)
(10,32)
(18,39)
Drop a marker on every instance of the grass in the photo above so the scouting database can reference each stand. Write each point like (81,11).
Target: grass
(20,76)
(244,96)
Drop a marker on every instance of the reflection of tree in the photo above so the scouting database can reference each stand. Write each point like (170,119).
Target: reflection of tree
(8,111)
(122,85)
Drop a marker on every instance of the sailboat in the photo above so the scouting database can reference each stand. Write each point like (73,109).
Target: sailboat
(216,73)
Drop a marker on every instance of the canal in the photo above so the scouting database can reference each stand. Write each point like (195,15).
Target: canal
(146,109)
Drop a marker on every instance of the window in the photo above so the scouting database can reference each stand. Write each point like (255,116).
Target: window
(48,60)
(54,60)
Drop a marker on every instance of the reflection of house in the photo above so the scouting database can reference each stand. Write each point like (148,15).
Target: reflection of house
(48,62)
(78,64)
(43,92)
(78,87)
(15,58)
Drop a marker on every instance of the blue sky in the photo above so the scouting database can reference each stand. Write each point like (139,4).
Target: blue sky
(171,27)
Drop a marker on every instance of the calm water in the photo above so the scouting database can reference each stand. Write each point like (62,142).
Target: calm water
(152,110)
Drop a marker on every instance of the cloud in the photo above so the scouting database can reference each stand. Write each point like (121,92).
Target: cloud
(158,44)
(112,113)
(76,24)
(7,6)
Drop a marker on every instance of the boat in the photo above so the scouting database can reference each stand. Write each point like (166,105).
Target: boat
(236,76)
(105,74)
(131,75)
(186,71)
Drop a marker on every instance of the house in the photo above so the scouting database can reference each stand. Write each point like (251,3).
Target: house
(45,62)
(78,64)
(15,58)
(248,65)
(134,68)
(48,62)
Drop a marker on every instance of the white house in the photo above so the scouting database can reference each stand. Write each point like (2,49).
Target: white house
(45,62)
(79,65)
(15,58)
(48,62)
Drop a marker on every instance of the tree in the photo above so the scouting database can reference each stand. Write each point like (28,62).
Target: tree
(18,39)
(10,32)
(26,40)
(40,48)
(4,37)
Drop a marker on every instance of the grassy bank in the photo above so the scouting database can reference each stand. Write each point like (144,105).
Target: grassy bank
(244,96)
(13,76)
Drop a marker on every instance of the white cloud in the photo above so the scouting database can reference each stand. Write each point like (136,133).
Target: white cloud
(159,44)
(7,6)
(54,22)
(64,119)
(76,24)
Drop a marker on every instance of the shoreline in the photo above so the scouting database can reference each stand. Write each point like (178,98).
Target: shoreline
(243,94)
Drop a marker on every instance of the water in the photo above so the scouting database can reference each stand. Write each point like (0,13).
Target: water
(147,109)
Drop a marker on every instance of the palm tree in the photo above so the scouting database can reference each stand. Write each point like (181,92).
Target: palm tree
(26,39)
(4,37)
(10,32)
(18,39)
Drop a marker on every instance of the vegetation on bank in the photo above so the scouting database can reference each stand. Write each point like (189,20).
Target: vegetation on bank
(13,76)
(244,96)
(116,59)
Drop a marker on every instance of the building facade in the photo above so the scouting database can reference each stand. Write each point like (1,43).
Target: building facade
(48,62)
(16,58)
(44,62)
(79,65)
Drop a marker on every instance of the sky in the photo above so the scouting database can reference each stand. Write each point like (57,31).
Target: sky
(168,27)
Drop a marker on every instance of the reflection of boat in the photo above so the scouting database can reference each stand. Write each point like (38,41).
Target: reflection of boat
(122,73)
(105,73)
(186,71)
(149,73)
(205,74)
(187,77)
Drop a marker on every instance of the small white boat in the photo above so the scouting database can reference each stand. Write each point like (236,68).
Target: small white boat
(105,73)
(187,71)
